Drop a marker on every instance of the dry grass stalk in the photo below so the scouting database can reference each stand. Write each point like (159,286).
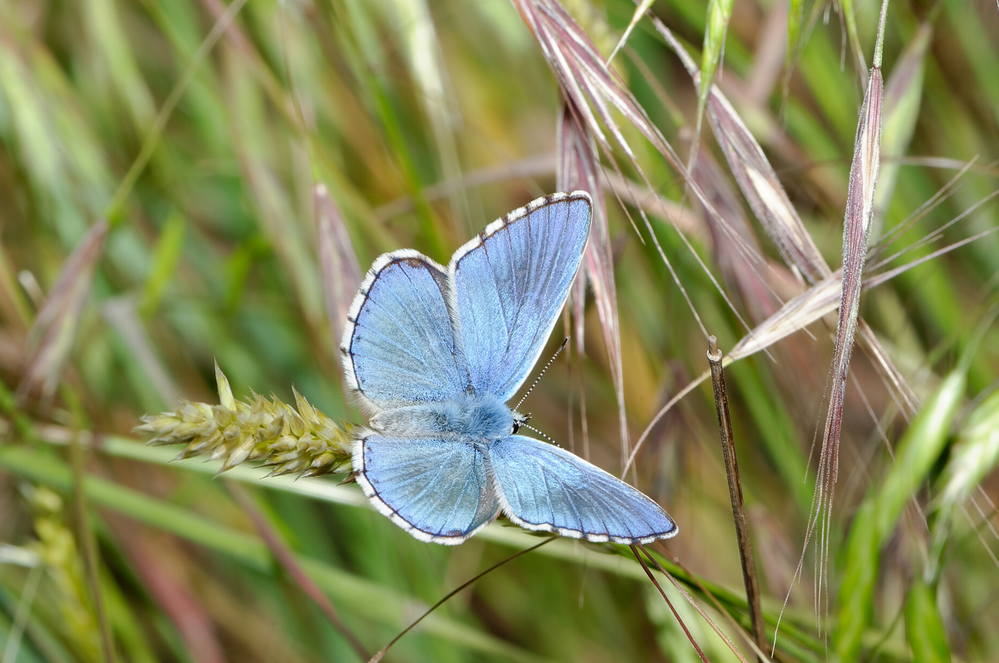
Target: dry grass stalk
(640,9)
(341,273)
(766,197)
(856,229)
(286,557)
(740,259)
(735,494)
(595,91)
(676,615)
(579,168)
(51,336)
(694,604)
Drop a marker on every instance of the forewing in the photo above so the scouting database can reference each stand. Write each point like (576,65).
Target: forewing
(510,283)
(398,344)
(436,489)
(544,487)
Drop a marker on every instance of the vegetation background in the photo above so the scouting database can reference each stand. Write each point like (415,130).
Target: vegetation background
(159,164)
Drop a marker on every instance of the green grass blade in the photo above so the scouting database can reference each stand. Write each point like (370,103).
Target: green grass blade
(715,31)
(920,446)
(365,598)
(975,455)
(166,255)
(924,628)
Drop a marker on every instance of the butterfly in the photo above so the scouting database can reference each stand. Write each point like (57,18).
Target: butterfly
(434,354)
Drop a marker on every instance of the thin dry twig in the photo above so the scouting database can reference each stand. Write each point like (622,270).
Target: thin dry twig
(676,615)
(690,599)
(735,493)
(380,654)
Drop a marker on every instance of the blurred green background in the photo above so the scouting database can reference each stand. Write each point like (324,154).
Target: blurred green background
(198,131)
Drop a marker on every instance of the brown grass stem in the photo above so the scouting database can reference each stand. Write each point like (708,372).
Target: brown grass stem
(380,654)
(286,557)
(690,599)
(676,615)
(729,617)
(735,492)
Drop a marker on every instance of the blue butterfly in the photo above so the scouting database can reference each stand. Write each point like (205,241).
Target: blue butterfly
(435,353)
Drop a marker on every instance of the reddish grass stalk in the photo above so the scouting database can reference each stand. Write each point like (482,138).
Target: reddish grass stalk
(380,654)
(676,615)
(341,272)
(735,494)
(287,559)
(856,228)
(770,204)
(579,168)
(690,599)
(51,336)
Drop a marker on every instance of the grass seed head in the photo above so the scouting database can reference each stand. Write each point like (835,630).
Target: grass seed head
(264,430)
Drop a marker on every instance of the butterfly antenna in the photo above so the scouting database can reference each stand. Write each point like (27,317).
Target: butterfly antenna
(544,369)
(541,433)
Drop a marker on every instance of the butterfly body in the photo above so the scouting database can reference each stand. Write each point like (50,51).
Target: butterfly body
(479,417)
(434,354)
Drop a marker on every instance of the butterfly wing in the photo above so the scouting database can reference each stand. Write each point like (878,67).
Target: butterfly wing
(544,487)
(398,345)
(436,489)
(510,283)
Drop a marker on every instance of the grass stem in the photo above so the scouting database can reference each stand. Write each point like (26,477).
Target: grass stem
(287,559)
(735,492)
(88,549)
(509,558)
(676,615)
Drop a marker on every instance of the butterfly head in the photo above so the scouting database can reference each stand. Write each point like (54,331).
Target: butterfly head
(519,420)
